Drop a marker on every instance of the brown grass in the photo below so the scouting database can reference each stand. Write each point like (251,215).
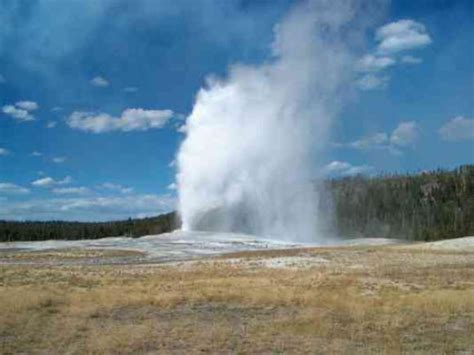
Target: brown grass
(363,300)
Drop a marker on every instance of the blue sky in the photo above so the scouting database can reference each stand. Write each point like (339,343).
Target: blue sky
(92,95)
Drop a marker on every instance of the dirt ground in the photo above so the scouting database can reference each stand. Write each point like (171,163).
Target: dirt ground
(348,299)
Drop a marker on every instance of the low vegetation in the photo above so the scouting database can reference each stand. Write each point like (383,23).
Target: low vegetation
(352,300)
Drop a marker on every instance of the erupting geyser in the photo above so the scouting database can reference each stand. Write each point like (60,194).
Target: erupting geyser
(253,139)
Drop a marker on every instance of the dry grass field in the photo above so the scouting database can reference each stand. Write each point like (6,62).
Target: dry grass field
(384,299)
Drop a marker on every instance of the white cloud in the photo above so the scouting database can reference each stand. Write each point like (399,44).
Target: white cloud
(27,105)
(131,119)
(35,153)
(51,124)
(71,190)
(9,188)
(50,182)
(99,81)
(458,129)
(172,186)
(372,82)
(59,160)
(343,168)
(375,140)
(405,134)
(4,151)
(17,113)
(116,187)
(408,59)
(371,63)
(401,35)
(130,89)
(88,208)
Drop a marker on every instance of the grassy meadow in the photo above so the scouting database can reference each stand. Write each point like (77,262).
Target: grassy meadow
(349,300)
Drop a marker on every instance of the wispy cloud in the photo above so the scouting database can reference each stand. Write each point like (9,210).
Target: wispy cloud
(71,190)
(9,188)
(17,113)
(408,59)
(458,129)
(99,81)
(401,35)
(51,124)
(130,89)
(59,160)
(4,151)
(131,119)
(404,135)
(50,182)
(35,153)
(27,105)
(372,82)
(343,168)
(116,187)
(371,63)
(91,208)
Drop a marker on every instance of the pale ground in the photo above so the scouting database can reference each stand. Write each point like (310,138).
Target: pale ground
(202,293)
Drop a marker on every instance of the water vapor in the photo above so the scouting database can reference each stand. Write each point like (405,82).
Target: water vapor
(255,138)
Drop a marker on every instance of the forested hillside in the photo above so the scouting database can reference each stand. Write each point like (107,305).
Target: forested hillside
(19,231)
(427,206)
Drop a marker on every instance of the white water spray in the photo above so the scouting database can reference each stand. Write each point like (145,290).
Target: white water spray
(253,139)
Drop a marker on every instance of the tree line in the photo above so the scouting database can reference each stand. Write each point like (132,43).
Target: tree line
(427,206)
(34,231)
(424,207)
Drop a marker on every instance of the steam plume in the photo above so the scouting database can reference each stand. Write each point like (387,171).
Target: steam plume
(253,138)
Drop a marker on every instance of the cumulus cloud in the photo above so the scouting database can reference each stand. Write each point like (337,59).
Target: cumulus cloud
(50,182)
(130,89)
(401,35)
(27,105)
(59,160)
(116,187)
(408,59)
(51,124)
(458,129)
(131,119)
(371,63)
(4,151)
(343,168)
(99,81)
(9,188)
(392,38)
(71,190)
(372,82)
(88,208)
(404,135)
(17,113)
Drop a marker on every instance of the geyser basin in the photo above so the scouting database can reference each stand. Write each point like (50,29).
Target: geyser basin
(175,246)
